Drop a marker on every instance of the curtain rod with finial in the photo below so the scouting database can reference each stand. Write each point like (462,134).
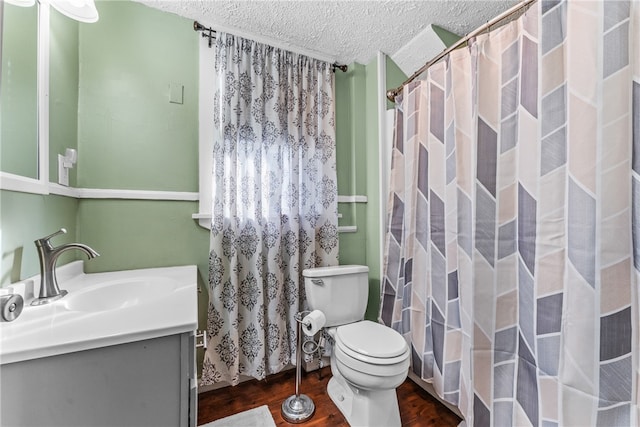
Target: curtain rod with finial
(340,67)
(392,93)
(210,33)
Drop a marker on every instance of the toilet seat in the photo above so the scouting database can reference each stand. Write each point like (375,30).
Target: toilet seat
(374,369)
(386,362)
(372,343)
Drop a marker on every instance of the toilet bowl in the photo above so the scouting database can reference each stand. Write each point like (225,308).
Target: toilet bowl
(369,360)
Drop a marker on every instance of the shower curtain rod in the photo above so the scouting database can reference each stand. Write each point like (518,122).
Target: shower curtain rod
(210,34)
(392,93)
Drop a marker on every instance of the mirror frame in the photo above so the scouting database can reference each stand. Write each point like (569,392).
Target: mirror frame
(12,182)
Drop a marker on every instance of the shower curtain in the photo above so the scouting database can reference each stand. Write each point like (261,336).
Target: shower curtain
(513,247)
(274,203)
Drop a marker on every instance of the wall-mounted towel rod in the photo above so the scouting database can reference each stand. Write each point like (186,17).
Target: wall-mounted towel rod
(210,34)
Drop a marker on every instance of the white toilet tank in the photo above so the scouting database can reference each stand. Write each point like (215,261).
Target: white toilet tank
(340,292)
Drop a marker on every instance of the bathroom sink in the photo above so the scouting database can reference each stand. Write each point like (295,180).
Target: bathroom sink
(119,294)
(101,310)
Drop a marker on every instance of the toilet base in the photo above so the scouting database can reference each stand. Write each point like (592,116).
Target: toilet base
(365,408)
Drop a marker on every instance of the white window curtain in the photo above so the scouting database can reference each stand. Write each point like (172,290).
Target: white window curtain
(274,202)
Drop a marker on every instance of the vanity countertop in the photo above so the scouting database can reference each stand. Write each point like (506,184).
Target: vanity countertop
(101,309)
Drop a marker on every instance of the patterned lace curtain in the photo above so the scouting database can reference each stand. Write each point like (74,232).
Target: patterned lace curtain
(274,203)
(514,220)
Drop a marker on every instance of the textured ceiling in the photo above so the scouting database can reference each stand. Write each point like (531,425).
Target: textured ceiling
(343,31)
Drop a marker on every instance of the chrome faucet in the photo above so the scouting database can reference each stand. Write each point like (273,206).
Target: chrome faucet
(48,255)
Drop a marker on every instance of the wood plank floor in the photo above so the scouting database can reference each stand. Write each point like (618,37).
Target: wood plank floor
(417,407)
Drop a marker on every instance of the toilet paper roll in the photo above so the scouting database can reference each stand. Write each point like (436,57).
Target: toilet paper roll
(313,322)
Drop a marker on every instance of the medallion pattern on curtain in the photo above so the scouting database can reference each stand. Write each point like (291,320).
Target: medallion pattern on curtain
(274,203)
(512,254)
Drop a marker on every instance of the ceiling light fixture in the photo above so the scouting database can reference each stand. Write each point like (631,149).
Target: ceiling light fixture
(23,3)
(80,10)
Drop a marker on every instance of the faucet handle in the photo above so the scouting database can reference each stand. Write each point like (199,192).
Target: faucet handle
(46,239)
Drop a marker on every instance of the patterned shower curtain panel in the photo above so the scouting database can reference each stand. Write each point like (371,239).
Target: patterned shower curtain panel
(513,247)
(274,203)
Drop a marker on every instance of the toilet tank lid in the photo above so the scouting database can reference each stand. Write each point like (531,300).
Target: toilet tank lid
(334,271)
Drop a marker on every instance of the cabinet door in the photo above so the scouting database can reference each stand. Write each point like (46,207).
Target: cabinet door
(135,384)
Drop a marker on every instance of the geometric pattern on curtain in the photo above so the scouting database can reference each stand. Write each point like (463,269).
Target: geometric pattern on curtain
(274,203)
(513,247)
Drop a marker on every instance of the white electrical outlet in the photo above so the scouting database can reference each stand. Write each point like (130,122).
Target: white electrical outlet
(63,172)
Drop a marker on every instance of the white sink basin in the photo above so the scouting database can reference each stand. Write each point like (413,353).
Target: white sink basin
(100,310)
(119,294)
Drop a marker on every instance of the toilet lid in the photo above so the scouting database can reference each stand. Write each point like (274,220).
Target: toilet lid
(371,339)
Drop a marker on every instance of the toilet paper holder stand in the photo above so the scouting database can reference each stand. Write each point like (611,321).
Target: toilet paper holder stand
(298,408)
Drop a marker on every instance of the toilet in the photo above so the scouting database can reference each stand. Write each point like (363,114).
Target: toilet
(369,360)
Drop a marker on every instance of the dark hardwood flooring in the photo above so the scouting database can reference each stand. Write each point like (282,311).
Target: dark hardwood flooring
(417,407)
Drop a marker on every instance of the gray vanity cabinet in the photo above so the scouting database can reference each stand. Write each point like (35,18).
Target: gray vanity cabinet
(141,383)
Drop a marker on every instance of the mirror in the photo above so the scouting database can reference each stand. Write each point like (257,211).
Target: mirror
(63,90)
(19,91)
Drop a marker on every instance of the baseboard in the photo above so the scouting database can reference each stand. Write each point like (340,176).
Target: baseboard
(311,366)
(222,384)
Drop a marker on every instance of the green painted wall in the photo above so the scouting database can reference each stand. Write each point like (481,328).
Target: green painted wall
(25,218)
(394,77)
(132,234)
(350,163)
(18,92)
(357,169)
(348,86)
(447,37)
(130,136)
